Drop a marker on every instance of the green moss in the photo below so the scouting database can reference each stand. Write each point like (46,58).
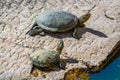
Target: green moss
(76,73)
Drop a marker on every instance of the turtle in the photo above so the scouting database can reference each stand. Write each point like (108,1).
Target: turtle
(47,59)
(57,21)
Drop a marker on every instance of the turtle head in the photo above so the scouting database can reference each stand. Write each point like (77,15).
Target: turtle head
(60,46)
(84,18)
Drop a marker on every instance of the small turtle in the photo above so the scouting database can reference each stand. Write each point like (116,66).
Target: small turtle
(57,21)
(47,59)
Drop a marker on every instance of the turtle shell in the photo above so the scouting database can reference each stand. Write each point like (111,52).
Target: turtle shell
(45,58)
(56,20)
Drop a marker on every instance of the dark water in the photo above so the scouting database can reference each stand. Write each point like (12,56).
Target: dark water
(111,72)
(110,69)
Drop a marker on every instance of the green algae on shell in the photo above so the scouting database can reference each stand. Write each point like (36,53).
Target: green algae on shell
(47,58)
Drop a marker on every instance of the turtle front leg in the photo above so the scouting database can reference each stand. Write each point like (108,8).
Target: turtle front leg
(74,34)
(35,29)
(32,68)
(79,25)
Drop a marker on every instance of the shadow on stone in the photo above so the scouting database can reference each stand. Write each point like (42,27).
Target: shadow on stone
(69,60)
(98,33)
(80,31)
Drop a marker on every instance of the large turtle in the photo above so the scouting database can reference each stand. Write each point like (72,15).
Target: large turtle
(47,58)
(57,21)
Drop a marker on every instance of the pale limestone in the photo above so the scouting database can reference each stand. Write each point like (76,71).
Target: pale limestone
(96,40)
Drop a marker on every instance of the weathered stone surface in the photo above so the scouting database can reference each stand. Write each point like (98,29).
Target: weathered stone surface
(101,33)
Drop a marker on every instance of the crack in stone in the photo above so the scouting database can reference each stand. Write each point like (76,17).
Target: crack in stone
(111,18)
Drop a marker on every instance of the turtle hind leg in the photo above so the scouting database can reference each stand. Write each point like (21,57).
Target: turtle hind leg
(35,29)
(61,65)
(34,24)
(35,32)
